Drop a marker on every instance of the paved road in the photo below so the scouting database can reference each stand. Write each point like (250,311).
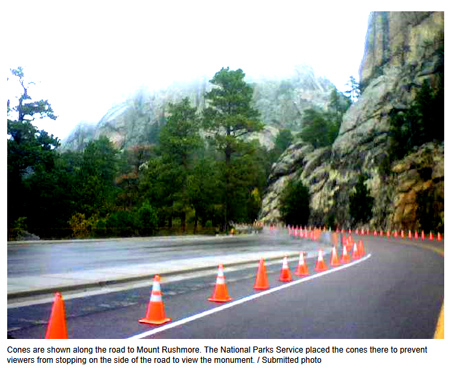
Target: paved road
(27,259)
(42,268)
(395,293)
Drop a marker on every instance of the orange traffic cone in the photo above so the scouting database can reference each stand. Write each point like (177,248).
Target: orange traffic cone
(416,235)
(374,233)
(350,241)
(262,282)
(402,234)
(396,234)
(220,294)
(431,235)
(155,309)
(357,232)
(334,258)
(56,328)
(320,264)
(409,234)
(355,253)
(423,235)
(302,268)
(381,233)
(361,250)
(388,234)
(439,237)
(345,258)
(285,274)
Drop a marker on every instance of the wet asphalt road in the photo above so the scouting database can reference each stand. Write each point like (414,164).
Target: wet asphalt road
(59,257)
(396,293)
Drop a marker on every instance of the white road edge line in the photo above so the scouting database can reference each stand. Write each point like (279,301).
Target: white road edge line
(245,299)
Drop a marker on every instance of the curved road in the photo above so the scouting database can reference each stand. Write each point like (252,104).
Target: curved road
(396,291)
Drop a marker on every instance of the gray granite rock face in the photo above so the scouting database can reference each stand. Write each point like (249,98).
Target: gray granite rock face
(402,51)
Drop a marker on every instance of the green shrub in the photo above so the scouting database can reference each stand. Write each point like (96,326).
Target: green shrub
(101,228)
(294,204)
(82,227)
(423,122)
(361,203)
(147,219)
(121,223)
(19,228)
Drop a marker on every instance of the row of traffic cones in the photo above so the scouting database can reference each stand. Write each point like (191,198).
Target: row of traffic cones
(395,234)
(155,315)
(299,232)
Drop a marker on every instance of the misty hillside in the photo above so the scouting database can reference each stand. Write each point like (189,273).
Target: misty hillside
(137,121)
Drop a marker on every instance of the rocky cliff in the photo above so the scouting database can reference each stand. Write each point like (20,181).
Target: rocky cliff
(136,121)
(403,50)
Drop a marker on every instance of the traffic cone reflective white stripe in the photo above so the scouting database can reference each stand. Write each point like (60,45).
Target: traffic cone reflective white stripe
(302,268)
(285,274)
(345,258)
(155,309)
(261,282)
(220,294)
(57,328)
(320,264)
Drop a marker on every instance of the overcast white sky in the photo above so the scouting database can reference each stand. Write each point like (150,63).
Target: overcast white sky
(86,56)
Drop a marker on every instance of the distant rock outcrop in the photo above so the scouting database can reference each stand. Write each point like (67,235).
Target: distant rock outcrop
(403,50)
(137,121)
(282,102)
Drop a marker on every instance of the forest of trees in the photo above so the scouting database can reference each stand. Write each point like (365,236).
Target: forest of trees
(200,175)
